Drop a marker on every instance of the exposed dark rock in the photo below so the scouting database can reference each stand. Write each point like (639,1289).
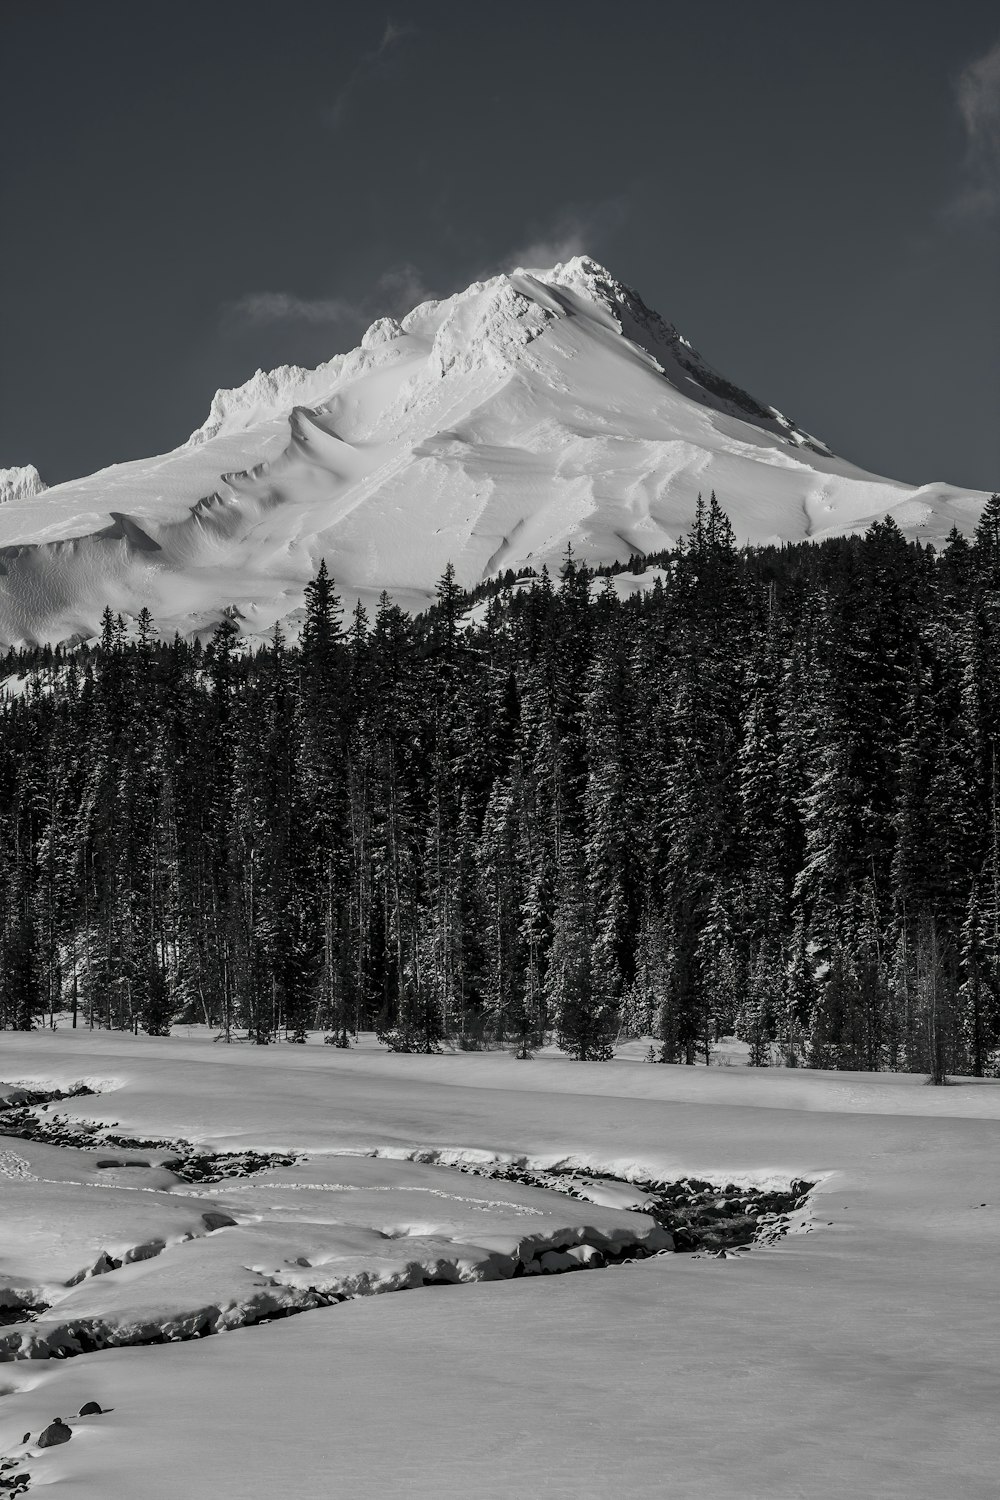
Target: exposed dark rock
(56,1432)
(20,1120)
(210,1166)
(13,1479)
(91,1409)
(21,1312)
(699,1215)
(215,1220)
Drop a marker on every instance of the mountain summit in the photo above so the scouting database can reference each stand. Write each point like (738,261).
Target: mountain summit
(489,429)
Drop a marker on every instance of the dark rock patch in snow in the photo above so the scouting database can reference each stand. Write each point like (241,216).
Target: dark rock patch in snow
(20,1119)
(57,1432)
(13,1479)
(208,1166)
(16,1096)
(21,1309)
(215,1219)
(700,1216)
(704,1216)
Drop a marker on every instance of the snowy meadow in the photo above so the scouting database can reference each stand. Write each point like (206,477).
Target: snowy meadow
(268,1194)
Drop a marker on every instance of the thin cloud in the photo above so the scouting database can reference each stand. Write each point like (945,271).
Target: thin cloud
(399,289)
(258,308)
(551,249)
(395,292)
(394,33)
(978,99)
(576,230)
(368,67)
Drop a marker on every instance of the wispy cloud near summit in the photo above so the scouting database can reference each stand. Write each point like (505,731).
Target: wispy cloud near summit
(395,292)
(576,230)
(368,67)
(285,307)
(978,98)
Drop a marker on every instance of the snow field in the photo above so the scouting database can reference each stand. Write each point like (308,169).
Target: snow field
(857,1357)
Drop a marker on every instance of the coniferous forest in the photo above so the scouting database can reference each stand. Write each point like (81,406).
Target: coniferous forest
(759,797)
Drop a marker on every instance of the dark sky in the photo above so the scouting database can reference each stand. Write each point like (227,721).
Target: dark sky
(808,190)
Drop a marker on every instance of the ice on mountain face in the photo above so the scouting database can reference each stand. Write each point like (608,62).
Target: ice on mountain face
(20,483)
(488,429)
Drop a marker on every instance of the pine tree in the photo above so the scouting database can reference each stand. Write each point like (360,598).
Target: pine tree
(583,1018)
(613,871)
(23,996)
(321,905)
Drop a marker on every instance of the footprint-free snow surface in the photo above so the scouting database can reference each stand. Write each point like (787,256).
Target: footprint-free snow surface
(489,430)
(856,1355)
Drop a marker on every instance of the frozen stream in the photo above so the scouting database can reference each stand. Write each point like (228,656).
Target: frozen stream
(108,1240)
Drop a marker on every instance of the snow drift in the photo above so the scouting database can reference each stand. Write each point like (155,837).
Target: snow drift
(489,429)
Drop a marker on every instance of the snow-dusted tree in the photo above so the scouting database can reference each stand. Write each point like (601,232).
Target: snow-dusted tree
(611,818)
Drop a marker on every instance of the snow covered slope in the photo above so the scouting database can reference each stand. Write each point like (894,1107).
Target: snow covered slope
(489,429)
(855,1358)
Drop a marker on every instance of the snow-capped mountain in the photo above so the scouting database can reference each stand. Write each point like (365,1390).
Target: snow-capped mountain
(489,429)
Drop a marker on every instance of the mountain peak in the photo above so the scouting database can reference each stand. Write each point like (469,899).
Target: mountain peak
(541,407)
(20,483)
(242,406)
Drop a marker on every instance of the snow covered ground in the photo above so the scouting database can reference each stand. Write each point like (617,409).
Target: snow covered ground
(487,430)
(857,1357)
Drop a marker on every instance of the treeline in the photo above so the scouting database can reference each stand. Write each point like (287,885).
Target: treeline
(760,797)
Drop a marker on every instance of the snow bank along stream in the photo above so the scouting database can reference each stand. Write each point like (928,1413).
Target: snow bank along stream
(109,1240)
(102,1246)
